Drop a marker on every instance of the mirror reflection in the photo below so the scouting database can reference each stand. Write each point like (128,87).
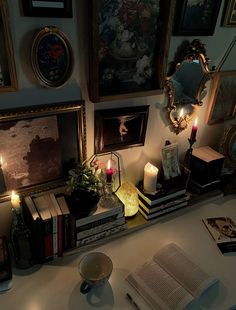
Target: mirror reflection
(185,83)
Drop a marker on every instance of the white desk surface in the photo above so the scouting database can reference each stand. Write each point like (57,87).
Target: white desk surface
(56,285)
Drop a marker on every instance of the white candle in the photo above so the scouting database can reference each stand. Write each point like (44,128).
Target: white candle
(150,178)
(15,200)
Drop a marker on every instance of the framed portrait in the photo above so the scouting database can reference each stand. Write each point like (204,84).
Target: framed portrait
(129,43)
(196,17)
(117,129)
(47,8)
(8,80)
(51,57)
(39,144)
(170,161)
(222,105)
(229,16)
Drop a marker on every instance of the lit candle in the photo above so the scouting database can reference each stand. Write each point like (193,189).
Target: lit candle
(15,200)
(109,171)
(181,113)
(1,161)
(194,131)
(150,178)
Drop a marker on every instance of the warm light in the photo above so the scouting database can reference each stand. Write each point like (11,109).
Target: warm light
(1,161)
(109,171)
(109,164)
(195,123)
(129,196)
(181,113)
(150,178)
(15,200)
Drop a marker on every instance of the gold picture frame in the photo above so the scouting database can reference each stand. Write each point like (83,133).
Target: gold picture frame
(222,104)
(8,79)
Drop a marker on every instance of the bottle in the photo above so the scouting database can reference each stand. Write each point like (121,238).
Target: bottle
(21,240)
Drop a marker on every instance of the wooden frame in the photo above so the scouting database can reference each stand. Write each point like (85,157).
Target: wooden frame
(222,103)
(37,8)
(196,19)
(8,80)
(229,16)
(170,161)
(117,129)
(51,57)
(129,43)
(39,144)
(228,146)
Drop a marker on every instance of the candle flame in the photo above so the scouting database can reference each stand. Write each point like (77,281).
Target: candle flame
(109,164)
(13,194)
(1,160)
(181,113)
(195,123)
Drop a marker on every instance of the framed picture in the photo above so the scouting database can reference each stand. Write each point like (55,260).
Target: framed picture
(39,144)
(117,129)
(222,105)
(196,17)
(51,57)
(228,146)
(229,16)
(170,161)
(129,43)
(47,8)
(8,80)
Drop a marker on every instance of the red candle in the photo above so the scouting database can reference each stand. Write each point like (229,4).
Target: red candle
(109,171)
(194,131)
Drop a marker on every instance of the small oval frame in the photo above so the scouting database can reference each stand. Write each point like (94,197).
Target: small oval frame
(52,57)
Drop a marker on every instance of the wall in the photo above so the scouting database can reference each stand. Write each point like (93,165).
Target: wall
(76,30)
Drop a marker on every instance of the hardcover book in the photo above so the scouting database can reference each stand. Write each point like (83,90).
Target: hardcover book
(171,280)
(223,231)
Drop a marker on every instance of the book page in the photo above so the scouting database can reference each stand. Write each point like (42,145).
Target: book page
(158,288)
(177,263)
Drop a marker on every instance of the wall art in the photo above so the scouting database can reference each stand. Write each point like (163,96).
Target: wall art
(229,16)
(47,8)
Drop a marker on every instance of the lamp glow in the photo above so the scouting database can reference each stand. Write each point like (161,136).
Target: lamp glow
(127,193)
(15,200)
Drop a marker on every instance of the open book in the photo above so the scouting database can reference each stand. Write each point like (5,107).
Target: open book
(171,280)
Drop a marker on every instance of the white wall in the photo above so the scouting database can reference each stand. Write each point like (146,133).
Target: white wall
(30,92)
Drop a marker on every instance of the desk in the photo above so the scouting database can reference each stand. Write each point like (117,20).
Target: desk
(55,286)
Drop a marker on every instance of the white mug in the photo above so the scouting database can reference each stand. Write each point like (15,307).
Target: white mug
(95,269)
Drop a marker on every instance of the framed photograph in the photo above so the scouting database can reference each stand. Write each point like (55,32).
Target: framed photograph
(229,16)
(39,144)
(117,129)
(8,80)
(51,57)
(129,43)
(196,17)
(47,8)
(222,105)
(170,161)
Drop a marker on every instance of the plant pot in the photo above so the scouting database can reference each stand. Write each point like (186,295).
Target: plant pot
(82,203)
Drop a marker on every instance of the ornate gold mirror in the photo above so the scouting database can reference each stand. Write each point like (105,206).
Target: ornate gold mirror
(185,84)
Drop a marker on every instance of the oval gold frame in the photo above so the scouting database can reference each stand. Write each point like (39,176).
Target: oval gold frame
(67,71)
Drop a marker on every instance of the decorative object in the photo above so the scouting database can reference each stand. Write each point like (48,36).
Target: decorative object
(84,189)
(127,193)
(129,42)
(191,141)
(5,265)
(222,105)
(170,161)
(8,80)
(117,129)
(228,146)
(47,8)
(21,238)
(2,179)
(229,17)
(39,144)
(185,84)
(196,18)
(51,57)
(150,179)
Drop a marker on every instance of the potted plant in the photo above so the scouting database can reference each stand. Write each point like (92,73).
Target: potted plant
(84,189)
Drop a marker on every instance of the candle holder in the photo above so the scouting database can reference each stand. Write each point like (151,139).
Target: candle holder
(108,199)
(188,154)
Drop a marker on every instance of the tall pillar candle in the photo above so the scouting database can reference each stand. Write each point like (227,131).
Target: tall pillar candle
(150,178)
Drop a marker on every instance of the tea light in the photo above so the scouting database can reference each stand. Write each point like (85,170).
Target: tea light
(15,200)
(150,178)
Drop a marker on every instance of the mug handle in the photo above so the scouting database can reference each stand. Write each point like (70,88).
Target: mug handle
(84,287)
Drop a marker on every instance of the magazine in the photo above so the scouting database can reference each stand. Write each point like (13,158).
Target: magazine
(171,280)
(223,231)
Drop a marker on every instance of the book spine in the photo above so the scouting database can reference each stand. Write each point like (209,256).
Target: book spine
(89,219)
(160,199)
(66,231)
(72,231)
(101,235)
(100,228)
(55,236)
(48,239)
(60,234)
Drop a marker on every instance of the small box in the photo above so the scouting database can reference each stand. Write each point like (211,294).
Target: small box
(206,165)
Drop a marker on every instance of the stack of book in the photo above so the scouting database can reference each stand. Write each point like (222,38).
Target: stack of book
(55,229)
(163,202)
